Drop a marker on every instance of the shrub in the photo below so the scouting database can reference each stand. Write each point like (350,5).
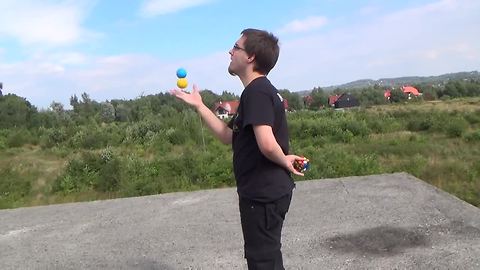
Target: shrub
(356,127)
(456,127)
(93,139)
(377,126)
(160,143)
(92,171)
(53,137)
(420,124)
(473,136)
(13,187)
(472,118)
(137,132)
(175,136)
(18,137)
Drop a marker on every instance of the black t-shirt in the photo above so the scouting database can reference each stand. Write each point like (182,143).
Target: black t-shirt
(257,177)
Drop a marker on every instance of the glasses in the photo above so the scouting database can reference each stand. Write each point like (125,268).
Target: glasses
(236,48)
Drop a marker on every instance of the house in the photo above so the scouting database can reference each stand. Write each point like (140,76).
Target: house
(332,100)
(307,101)
(226,109)
(284,101)
(387,94)
(285,104)
(410,91)
(345,100)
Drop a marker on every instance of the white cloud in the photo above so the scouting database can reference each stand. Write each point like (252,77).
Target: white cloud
(152,8)
(50,23)
(70,58)
(432,39)
(436,38)
(45,79)
(304,25)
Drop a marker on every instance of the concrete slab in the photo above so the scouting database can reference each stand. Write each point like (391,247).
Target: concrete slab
(391,221)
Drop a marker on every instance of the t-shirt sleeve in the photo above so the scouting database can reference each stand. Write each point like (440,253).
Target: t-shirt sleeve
(258,109)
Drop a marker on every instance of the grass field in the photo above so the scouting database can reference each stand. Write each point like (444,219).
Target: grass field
(438,142)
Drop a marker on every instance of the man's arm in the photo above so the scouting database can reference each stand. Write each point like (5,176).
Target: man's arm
(270,148)
(217,126)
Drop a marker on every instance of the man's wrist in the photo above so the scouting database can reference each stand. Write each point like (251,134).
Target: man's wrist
(200,107)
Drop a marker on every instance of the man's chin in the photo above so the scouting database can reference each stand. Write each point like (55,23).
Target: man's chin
(231,72)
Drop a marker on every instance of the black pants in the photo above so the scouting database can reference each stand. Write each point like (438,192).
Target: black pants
(262,230)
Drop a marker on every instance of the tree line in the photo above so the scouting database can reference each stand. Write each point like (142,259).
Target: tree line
(154,144)
(16,111)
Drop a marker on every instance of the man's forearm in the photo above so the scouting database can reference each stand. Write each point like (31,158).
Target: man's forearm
(217,126)
(276,155)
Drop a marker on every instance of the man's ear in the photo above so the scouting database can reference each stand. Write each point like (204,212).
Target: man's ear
(251,58)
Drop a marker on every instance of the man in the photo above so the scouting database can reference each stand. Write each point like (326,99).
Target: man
(259,136)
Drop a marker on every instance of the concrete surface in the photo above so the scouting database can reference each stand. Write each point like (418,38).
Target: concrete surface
(391,221)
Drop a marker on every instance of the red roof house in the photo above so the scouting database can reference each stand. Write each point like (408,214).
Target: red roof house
(345,100)
(410,90)
(285,104)
(307,100)
(387,94)
(226,109)
(332,100)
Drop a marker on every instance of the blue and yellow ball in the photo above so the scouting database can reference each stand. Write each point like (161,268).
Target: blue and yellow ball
(182,83)
(181,73)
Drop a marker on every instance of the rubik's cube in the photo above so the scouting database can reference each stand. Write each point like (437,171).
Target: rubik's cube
(301,165)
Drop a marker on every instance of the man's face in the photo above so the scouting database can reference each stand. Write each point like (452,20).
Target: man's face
(238,58)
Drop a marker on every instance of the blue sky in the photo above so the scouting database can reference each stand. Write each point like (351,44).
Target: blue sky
(52,49)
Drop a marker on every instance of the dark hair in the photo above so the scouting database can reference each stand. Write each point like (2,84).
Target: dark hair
(264,46)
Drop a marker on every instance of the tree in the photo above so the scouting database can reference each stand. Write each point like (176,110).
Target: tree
(57,108)
(227,96)
(451,90)
(15,111)
(60,116)
(209,98)
(320,98)
(107,112)
(371,96)
(294,99)
(397,95)
(122,113)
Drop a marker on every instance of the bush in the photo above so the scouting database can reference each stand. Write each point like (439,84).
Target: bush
(18,138)
(175,136)
(337,162)
(473,136)
(13,188)
(53,137)
(137,132)
(456,127)
(377,126)
(472,118)
(95,137)
(141,178)
(356,127)
(92,171)
(420,124)
(160,144)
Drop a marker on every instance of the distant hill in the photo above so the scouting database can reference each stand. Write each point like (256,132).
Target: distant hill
(400,81)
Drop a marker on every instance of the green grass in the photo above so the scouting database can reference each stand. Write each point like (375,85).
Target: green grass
(438,142)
